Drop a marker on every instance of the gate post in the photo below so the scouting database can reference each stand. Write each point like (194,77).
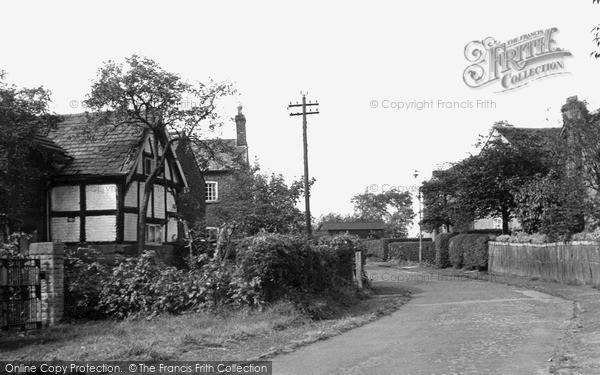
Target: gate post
(358,263)
(51,257)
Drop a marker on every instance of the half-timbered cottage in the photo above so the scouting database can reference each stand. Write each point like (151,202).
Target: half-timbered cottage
(96,196)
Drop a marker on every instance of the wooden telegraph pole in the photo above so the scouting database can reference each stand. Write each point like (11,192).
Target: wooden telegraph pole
(305,144)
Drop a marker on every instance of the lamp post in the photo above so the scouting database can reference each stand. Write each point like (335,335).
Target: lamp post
(416,174)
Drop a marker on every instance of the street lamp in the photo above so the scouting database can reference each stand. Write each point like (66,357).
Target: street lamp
(416,174)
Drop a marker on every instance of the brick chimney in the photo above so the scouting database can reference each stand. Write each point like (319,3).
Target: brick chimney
(240,125)
(574,112)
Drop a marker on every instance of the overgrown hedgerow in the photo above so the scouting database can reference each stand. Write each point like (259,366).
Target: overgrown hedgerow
(267,268)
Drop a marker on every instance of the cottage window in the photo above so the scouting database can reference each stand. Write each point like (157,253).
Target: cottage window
(154,234)
(147,166)
(212,191)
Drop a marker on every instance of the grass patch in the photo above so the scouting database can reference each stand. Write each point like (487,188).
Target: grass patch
(223,335)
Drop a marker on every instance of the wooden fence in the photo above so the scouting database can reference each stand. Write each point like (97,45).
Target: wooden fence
(566,262)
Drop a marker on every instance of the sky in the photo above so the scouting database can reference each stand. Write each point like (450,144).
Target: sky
(360,60)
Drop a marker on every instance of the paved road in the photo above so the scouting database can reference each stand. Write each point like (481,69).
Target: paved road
(451,326)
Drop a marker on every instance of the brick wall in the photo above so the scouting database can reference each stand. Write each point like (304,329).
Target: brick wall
(225,182)
(51,257)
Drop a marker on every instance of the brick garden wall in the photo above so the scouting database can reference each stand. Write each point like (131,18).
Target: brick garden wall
(51,257)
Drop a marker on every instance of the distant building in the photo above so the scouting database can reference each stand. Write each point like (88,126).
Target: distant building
(362,229)
(219,159)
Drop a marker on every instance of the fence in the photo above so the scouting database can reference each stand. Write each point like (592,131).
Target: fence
(20,294)
(570,262)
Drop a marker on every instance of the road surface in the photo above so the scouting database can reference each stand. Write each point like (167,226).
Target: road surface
(451,326)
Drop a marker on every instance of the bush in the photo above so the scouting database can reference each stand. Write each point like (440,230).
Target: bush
(268,268)
(520,237)
(442,256)
(374,248)
(469,250)
(85,277)
(409,251)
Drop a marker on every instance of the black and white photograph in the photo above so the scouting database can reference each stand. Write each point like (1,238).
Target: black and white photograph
(275,187)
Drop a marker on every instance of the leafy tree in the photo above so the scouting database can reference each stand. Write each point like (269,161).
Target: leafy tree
(24,165)
(554,205)
(393,207)
(261,202)
(337,218)
(441,206)
(140,93)
(483,185)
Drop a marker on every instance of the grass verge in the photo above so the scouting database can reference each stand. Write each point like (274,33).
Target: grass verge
(225,335)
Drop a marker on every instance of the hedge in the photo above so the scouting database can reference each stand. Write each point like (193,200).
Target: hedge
(267,268)
(409,251)
(469,251)
(442,256)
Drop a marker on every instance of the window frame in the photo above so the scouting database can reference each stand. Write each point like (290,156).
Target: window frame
(152,229)
(215,190)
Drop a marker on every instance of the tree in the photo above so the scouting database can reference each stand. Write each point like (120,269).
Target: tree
(441,206)
(483,185)
(140,93)
(261,202)
(554,205)
(24,165)
(393,207)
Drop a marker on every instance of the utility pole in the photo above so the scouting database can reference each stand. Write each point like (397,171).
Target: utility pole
(305,144)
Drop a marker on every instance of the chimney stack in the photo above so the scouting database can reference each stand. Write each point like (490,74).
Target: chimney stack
(574,114)
(240,124)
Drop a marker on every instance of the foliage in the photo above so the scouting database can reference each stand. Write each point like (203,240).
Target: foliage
(483,185)
(441,206)
(260,202)
(469,251)
(141,94)
(12,247)
(409,251)
(268,268)
(442,252)
(393,207)
(24,114)
(522,237)
(552,205)
(85,276)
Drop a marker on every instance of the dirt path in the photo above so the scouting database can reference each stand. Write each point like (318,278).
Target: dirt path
(451,326)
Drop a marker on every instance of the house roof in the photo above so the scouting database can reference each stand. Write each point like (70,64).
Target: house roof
(220,154)
(524,137)
(352,225)
(108,152)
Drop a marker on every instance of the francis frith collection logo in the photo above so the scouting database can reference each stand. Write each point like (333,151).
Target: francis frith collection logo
(514,63)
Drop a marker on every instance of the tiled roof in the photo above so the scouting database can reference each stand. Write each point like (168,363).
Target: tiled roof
(109,151)
(519,137)
(220,154)
(354,225)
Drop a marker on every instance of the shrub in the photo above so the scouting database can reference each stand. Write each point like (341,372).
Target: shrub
(456,250)
(469,250)
(85,277)
(476,251)
(442,256)
(520,237)
(409,251)
(374,248)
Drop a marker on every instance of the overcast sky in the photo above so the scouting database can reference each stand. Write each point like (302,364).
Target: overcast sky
(350,56)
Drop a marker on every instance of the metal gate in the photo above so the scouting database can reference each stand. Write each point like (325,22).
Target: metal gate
(20,294)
